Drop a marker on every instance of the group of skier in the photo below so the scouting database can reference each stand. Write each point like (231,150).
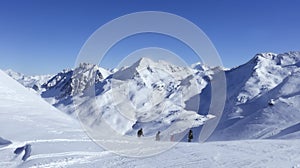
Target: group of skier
(157,136)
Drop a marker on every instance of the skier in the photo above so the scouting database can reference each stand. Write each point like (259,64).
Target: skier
(157,138)
(190,136)
(140,132)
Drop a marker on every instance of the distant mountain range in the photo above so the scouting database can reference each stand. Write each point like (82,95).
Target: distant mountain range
(262,99)
(34,82)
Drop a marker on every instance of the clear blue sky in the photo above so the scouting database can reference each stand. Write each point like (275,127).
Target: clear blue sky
(45,36)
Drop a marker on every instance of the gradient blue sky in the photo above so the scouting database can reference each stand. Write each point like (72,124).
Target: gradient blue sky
(45,36)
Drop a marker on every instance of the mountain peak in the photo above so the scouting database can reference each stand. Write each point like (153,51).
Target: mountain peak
(143,63)
(71,82)
(145,60)
(146,64)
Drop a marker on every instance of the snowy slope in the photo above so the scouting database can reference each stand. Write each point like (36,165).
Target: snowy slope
(26,118)
(58,141)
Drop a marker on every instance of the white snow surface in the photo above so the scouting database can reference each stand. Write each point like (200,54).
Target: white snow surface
(58,141)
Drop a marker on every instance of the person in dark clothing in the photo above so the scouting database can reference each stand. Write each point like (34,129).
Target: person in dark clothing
(19,150)
(140,132)
(26,148)
(157,137)
(27,152)
(190,136)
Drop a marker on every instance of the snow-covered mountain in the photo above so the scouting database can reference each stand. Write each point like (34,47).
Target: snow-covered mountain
(261,99)
(149,95)
(71,82)
(60,89)
(57,140)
